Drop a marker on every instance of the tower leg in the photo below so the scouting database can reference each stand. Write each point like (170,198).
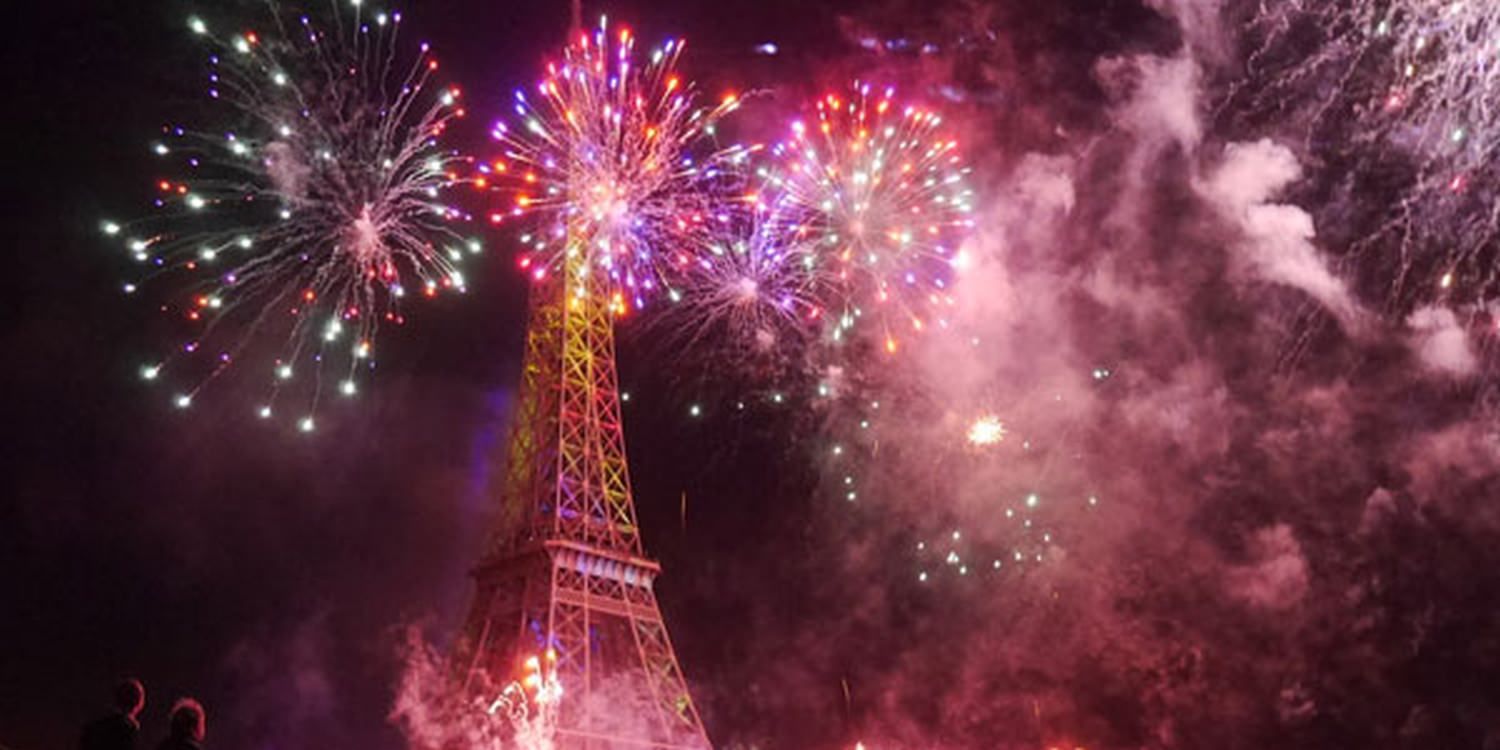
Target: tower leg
(622,687)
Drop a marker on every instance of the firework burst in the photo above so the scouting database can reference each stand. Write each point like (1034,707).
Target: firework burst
(749,290)
(600,163)
(985,431)
(309,210)
(877,192)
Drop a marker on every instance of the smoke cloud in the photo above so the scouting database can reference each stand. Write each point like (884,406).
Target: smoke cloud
(1440,342)
(1277,243)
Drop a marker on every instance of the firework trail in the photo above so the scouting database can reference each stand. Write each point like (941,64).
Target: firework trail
(876,191)
(1398,102)
(600,161)
(309,210)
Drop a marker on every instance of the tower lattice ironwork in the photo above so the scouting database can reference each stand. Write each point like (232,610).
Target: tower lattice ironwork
(566,570)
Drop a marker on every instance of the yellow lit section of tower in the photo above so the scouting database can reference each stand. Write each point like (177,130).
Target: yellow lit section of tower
(566,569)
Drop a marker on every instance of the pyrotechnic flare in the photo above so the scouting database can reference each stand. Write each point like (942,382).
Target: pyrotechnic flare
(1401,96)
(877,191)
(602,161)
(529,705)
(309,207)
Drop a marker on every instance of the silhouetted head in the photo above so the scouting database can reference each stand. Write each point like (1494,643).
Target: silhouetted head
(188,719)
(130,696)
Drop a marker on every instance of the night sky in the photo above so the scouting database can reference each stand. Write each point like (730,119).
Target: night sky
(1293,540)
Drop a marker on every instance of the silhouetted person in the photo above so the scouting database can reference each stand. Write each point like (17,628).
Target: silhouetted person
(118,730)
(188,723)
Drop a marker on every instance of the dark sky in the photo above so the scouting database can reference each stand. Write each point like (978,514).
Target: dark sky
(1292,541)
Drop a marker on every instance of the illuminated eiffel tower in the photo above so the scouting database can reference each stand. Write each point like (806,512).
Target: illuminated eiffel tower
(565,570)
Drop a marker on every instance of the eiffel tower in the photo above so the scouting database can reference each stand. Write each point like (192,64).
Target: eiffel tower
(565,570)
